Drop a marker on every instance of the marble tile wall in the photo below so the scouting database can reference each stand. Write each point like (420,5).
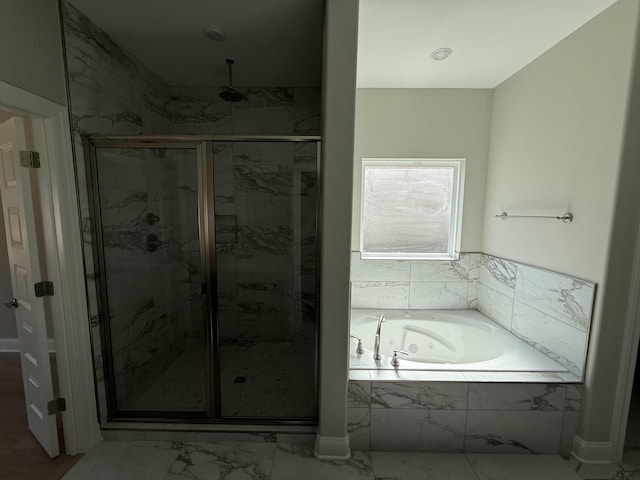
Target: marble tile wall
(548,310)
(111,92)
(266,238)
(462,417)
(152,309)
(264,111)
(415,284)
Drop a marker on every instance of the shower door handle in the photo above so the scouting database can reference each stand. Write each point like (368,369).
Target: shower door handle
(12,304)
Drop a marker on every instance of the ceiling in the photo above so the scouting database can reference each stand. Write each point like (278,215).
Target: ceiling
(273,42)
(279,42)
(490,39)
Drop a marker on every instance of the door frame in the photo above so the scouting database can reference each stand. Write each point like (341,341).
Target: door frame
(64,263)
(628,356)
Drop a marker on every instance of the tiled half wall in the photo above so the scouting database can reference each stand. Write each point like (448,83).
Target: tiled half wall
(550,311)
(462,417)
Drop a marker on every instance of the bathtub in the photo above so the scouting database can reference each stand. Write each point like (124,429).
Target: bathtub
(442,340)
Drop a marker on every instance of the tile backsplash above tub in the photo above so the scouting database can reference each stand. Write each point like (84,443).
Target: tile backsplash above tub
(550,311)
(415,283)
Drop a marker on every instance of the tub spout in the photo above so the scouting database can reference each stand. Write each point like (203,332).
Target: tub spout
(376,345)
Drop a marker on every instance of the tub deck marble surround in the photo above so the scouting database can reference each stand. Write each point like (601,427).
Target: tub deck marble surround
(268,459)
(456,341)
(462,417)
(548,310)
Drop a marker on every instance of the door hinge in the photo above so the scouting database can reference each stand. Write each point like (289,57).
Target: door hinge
(44,289)
(29,159)
(56,405)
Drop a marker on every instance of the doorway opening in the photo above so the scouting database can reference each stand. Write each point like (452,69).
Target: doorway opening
(27,350)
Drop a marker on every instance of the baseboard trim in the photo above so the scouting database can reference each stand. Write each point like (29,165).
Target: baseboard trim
(332,448)
(593,453)
(12,345)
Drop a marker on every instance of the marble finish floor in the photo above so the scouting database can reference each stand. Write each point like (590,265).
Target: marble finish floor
(152,460)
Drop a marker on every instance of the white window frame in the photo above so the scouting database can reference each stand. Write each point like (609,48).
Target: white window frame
(457,201)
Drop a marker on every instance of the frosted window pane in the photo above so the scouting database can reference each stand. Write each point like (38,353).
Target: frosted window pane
(407,209)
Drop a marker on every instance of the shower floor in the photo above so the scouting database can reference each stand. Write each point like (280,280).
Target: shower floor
(178,388)
(268,380)
(261,380)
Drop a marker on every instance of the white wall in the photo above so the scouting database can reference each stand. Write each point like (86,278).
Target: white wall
(426,123)
(339,84)
(556,145)
(31,47)
(31,53)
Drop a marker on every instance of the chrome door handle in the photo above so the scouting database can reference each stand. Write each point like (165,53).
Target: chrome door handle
(12,304)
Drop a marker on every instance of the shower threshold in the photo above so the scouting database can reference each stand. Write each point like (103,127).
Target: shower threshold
(189,432)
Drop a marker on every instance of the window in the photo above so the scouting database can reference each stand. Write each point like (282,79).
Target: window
(411,208)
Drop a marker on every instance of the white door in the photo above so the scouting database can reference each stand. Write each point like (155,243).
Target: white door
(19,225)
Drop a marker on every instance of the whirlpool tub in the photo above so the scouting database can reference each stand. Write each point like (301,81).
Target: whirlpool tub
(442,340)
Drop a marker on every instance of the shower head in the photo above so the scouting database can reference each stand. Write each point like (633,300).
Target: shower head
(229,94)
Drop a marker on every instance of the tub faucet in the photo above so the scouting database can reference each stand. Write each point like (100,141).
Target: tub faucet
(376,345)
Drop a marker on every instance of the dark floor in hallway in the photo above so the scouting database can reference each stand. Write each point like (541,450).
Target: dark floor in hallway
(21,456)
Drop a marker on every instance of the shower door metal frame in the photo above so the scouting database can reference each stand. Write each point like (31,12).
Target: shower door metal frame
(91,143)
(203,144)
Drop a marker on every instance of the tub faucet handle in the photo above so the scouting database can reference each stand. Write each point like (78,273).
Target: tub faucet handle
(359,348)
(394,361)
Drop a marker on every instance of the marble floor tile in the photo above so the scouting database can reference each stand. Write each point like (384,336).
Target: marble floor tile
(522,467)
(126,461)
(267,460)
(218,461)
(421,466)
(600,472)
(631,459)
(296,463)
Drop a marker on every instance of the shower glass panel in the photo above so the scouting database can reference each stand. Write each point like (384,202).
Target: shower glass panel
(266,261)
(146,218)
(207,257)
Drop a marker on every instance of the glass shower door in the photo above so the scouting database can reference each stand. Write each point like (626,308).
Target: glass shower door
(266,261)
(146,221)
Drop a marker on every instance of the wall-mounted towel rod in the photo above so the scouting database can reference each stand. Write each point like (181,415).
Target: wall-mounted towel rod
(566,218)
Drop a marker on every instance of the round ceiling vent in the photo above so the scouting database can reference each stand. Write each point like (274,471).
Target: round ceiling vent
(213,32)
(441,54)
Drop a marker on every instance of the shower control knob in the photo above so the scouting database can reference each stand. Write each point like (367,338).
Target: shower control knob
(152,218)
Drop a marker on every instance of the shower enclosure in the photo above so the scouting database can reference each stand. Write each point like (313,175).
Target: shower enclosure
(207,253)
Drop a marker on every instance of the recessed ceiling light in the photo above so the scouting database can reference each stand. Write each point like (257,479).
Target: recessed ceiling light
(213,32)
(441,53)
